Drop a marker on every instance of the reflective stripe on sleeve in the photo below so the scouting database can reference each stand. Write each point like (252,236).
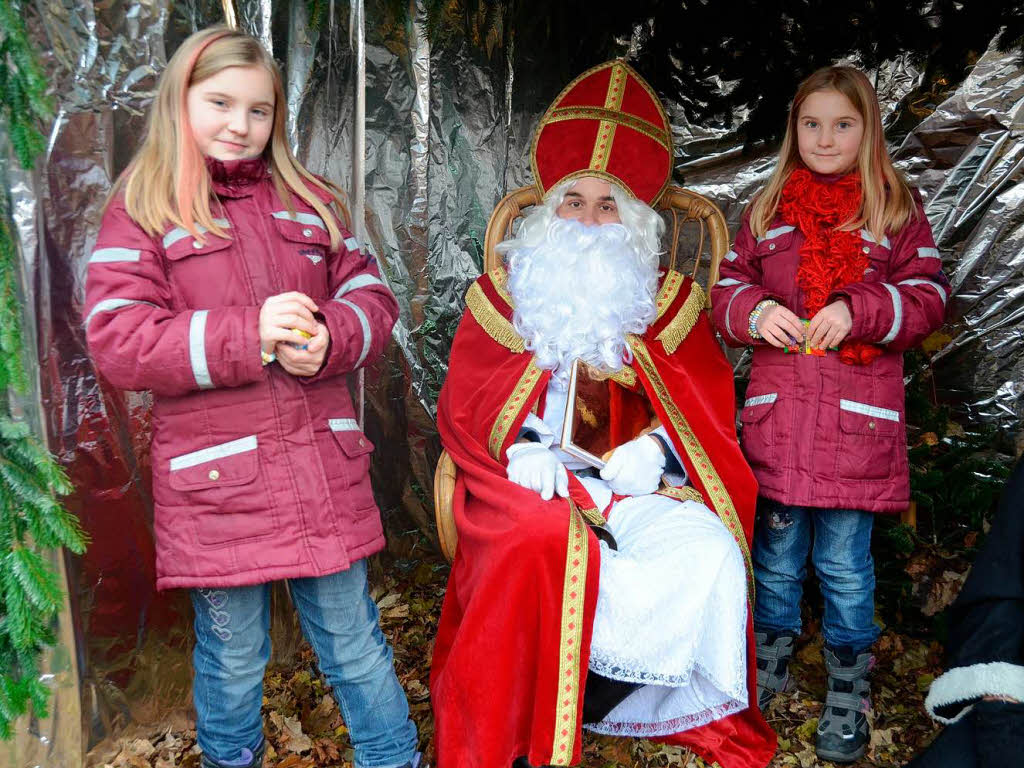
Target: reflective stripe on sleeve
(928,253)
(771,397)
(301,218)
(366,329)
(357,282)
(197,349)
(728,309)
(897,313)
(352,244)
(936,286)
(109,305)
(221,451)
(869,410)
(731,256)
(111,255)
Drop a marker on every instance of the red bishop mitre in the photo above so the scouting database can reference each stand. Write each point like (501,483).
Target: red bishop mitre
(608,123)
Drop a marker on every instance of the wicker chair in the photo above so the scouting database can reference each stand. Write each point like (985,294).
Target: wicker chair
(682,204)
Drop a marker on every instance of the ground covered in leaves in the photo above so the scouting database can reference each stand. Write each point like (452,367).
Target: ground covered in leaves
(305,729)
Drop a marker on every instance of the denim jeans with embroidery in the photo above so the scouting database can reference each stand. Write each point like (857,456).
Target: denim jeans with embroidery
(341,622)
(839,544)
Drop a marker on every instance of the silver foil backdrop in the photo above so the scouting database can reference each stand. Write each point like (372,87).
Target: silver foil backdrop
(447,134)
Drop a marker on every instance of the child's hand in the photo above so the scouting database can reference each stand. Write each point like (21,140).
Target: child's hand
(281,314)
(830,326)
(780,327)
(305,362)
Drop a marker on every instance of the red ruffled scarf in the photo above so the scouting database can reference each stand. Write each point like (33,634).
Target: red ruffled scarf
(830,258)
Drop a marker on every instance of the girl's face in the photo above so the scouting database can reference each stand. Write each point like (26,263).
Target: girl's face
(232,112)
(829,130)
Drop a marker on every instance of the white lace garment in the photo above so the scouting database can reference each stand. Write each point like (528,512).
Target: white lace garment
(671,606)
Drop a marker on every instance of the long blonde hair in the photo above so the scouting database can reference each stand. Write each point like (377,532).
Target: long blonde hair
(167,181)
(886,203)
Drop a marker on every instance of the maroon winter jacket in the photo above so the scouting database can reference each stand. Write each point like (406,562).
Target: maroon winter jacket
(818,432)
(257,475)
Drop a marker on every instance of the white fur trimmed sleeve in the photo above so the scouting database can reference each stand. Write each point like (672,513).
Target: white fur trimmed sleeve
(954,693)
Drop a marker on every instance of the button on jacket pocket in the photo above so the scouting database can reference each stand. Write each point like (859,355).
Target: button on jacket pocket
(225,464)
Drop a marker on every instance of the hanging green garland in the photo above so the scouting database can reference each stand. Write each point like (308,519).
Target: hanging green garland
(32,521)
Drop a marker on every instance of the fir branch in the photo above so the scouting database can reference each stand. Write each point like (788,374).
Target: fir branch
(12,371)
(32,521)
(26,103)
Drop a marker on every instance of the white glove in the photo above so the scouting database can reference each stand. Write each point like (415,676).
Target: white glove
(635,468)
(533,466)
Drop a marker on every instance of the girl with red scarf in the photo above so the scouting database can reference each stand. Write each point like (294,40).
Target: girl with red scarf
(834,274)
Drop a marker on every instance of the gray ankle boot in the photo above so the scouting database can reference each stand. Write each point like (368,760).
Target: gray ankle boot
(843,730)
(772,665)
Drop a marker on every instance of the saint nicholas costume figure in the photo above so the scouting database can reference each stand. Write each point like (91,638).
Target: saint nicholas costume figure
(612,594)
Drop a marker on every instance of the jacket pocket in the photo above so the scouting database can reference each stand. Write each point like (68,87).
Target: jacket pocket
(221,488)
(878,254)
(226,464)
(302,227)
(758,430)
(355,449)
(871,428)
(778,261)
(303,249)
(191,263)
(180,244)
(776,240)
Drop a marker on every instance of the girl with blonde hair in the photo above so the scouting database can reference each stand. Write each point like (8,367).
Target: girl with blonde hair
(833,275)
(223,281)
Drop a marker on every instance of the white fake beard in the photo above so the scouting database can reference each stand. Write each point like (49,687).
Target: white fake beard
(578,292)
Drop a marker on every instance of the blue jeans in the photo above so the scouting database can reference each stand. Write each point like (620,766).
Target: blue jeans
(341,622)
(841,554)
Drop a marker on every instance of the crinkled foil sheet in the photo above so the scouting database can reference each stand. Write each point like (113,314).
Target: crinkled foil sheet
(447,134)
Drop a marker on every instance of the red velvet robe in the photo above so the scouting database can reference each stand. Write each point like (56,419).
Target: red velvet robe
(510,659)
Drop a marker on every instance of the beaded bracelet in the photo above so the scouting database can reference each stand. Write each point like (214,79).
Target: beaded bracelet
(755,315)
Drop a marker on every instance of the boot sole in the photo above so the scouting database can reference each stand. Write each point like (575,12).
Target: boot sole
(841,757)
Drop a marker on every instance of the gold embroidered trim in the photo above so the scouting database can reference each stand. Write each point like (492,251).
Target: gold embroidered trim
(491,320)
(570,639)
(681,493)
(638,124)
(668,291)
(511,409)
(717,493)
(499,278)
(592,516)
(602,146)
(616,86)
(606,130)
(673,334)
(625,376)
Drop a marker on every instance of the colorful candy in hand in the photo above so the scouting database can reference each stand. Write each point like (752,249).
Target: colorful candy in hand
(806,348)
(304,335)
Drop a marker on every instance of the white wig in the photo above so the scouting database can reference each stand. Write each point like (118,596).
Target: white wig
(642,221)
(579,290)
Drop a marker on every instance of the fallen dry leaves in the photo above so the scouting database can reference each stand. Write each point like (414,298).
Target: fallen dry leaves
(304,728)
